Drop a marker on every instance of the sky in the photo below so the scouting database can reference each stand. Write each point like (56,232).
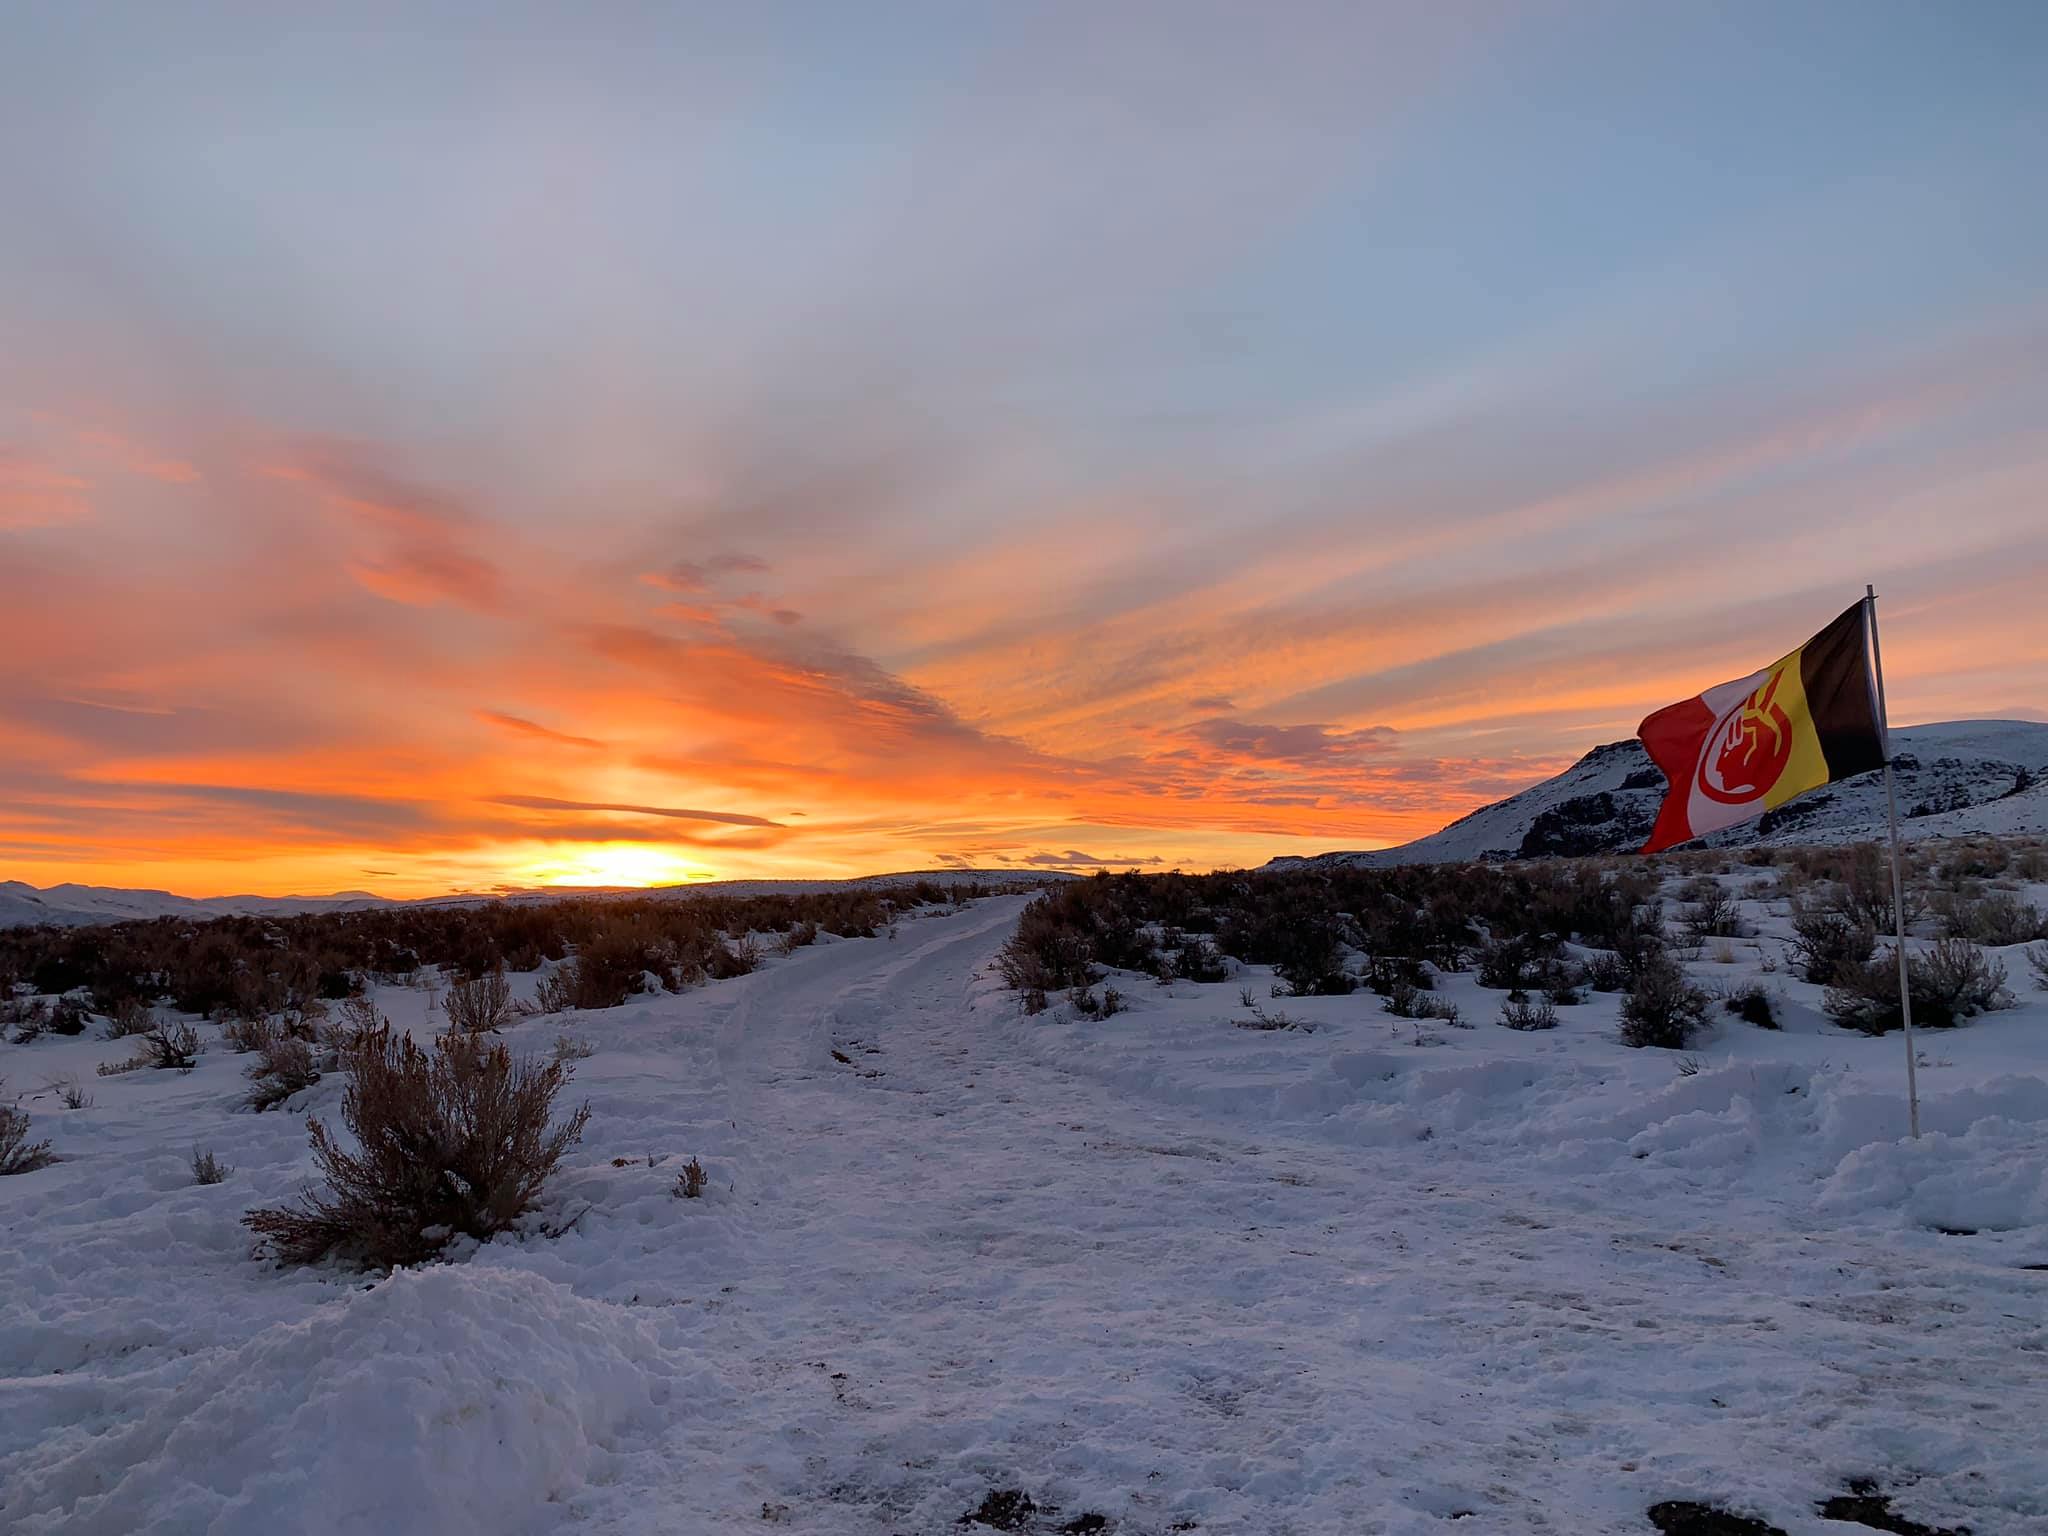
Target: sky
(447,447)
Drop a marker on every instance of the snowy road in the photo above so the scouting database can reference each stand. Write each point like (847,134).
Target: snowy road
(1183,1275)
(966,1267)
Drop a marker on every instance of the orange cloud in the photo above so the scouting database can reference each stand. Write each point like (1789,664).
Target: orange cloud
(320,666)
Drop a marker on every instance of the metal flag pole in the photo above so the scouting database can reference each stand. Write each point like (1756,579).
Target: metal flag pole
(1891,810)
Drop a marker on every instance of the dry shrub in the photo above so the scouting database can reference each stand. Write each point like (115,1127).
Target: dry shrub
(354,1023)
(480,1004)
(171,1045)
(1713,912)
(1864,893)
(17,1153)
(1404,1001)
(556,991)
(1663,1009)
(1047,953)
(70,1094)
(1521,1013)
(455,1141)
(1953,981)
(245,1035)
(208,1169)
(690,1182)
(1607,973)
(29,1016)
(287,1067)
(1825,940)
(738,957)
(1752,1003)
(1996,918)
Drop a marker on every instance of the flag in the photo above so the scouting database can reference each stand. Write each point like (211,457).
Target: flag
(1744,747)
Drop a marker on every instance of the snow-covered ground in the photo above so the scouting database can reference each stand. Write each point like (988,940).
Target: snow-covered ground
(1377,1276)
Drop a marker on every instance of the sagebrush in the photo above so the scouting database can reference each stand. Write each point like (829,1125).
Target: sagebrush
(455,1141)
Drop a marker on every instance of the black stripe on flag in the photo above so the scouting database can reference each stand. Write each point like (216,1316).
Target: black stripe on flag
(1834,669)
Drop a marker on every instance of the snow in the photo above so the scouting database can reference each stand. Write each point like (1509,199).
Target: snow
(1377,1275)
(1994,773)
(439,1400)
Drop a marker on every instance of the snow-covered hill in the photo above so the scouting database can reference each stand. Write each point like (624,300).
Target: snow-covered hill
(1958,778)
(23,905)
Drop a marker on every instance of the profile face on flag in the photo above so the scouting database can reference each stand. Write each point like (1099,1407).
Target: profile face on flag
(1742,748)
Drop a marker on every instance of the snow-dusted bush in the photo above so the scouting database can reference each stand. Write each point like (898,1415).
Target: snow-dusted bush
(286,1067)
(1639,945)
(1863,892)
(1046,954)
(1752,1003)
(1509,964)
(30,1016)
(1824,940)
(1383,973)
(171,1045)
(1712,912)
(130,1016)
(1961,979)
(243,1035)
(2037,961)
(1523,1014)
(1662,1009)
(1192,958)
(1953,981)
(480,1003)
(1405,1001)
(208,1169)
(1606,973)
(733,957)
(556,991)
(456,1141)
(17,1153)
(70,1093)
(1996,918)
(1088,1005)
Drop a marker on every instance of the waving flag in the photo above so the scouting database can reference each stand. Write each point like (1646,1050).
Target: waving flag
(1744,747)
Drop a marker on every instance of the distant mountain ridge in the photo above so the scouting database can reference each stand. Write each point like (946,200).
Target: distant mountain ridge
(72,906)
(1958,778)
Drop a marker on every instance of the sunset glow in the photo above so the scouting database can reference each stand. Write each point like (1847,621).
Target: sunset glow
(724,449)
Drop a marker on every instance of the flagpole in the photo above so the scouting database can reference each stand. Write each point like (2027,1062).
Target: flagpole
(1891,810)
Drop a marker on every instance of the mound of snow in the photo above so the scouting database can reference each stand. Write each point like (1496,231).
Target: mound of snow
(453,1399)
(1992,1178)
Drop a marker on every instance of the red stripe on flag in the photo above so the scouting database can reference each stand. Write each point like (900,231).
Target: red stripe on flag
(1674,736)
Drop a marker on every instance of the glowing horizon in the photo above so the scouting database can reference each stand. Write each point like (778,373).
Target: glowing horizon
(703,447)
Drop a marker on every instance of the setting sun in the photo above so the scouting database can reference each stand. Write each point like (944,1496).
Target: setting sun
(614,864)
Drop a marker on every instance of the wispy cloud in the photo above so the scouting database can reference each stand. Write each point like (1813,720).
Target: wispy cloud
(520,726)
(676,813)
